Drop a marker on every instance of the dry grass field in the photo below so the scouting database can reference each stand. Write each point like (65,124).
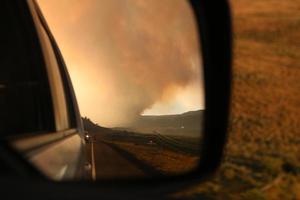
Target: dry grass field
(163,154)
(163,160)
(263,152)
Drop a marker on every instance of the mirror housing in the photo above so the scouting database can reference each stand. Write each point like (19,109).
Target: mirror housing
(214,24)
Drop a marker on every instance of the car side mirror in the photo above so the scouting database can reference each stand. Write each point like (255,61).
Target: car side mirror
(188,41)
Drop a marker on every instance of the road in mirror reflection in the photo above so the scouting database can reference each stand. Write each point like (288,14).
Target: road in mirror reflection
(137,73)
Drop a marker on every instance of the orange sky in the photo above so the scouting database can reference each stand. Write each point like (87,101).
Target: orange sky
(128,57)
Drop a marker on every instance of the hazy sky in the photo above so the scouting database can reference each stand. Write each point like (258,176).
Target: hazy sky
(128,57)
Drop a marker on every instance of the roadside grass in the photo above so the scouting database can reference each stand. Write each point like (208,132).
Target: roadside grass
(165,161)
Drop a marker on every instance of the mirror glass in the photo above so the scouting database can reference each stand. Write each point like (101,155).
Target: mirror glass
(136,69)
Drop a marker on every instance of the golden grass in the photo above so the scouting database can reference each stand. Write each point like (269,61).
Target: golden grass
(165,161)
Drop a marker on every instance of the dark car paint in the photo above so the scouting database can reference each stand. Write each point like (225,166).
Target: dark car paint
(42,146)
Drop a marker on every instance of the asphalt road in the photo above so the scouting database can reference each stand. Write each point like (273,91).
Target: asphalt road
(109,161)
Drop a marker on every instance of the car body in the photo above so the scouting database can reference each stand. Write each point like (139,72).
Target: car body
(45,127)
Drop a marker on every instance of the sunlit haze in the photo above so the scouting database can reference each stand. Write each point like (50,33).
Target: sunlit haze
(128,57)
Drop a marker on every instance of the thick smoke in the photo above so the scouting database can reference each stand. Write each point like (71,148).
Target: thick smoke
(125,55)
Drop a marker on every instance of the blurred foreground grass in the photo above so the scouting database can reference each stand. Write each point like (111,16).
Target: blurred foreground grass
(263,153)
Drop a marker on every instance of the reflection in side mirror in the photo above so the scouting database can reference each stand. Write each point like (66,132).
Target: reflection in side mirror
(87,137)
(136,68)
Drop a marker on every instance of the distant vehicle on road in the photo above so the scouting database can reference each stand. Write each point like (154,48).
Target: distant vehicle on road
(87,137)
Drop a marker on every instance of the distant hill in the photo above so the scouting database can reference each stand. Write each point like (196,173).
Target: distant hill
(189,120)
(90,126)
(188,123)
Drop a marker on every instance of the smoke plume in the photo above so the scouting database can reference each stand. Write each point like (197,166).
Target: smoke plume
(125,55)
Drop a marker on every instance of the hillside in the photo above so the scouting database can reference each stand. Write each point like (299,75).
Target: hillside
(185,124)
(188,120)
(90,126)
(188,124)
